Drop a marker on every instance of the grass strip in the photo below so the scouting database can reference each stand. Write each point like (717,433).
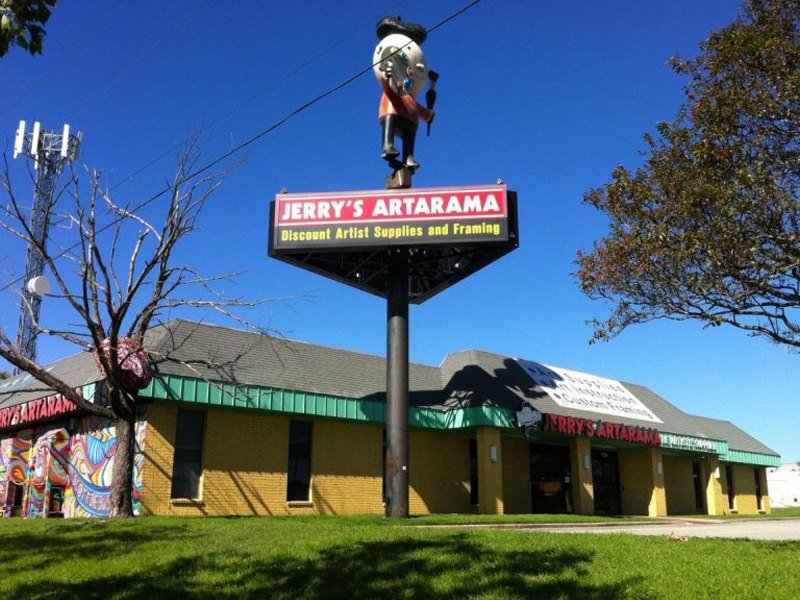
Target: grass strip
(369,557)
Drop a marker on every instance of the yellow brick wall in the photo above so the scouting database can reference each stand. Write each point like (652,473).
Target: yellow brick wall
(636,486)
(716,501)
(679,483)
(244,464)
(159,451)
(516,476)
(245,457)
(438,472)
(490,472)
(346,468)
(745,502)
(582,484)
(641,487)
(765,503)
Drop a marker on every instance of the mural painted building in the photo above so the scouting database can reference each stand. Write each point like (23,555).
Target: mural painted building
(295,428)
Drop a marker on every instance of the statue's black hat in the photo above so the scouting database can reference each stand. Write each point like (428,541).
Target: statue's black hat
(389,25)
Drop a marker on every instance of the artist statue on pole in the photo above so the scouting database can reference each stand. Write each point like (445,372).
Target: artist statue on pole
(401,71)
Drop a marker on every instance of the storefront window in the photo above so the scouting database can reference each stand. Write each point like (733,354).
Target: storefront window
(19,495)
(698,486)
(759,495)
(56,500)
(473,471)
(551,487)
(731,491)
(299,470)
(187,467)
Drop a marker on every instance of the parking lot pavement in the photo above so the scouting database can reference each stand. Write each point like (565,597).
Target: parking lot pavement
(787,529)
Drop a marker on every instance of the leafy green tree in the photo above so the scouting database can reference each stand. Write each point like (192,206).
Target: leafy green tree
(22,23)
(708,227)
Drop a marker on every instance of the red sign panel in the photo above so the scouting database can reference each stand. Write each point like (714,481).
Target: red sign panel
(36,410)
(600,429)
(390,217)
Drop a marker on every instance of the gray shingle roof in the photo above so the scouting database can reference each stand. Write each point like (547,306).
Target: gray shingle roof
(465,379)
(76,371)
(281,363)
(737,438)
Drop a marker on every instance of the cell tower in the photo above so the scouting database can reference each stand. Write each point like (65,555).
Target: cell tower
(49,151)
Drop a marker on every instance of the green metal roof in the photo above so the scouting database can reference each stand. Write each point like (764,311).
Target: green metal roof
(174,388)
(751,458)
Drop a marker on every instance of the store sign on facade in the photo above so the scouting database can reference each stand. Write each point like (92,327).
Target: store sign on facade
(688,442)
(383,218)
(581,391)
(36,410)
(605,430)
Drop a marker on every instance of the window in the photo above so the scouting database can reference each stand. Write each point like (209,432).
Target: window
(473,471)
(759,494)
(187,467)
(698,486)
(19,495)
(299,471)
(731,491)
(56,499)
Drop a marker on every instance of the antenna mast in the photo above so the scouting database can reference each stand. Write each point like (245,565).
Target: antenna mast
(49,151)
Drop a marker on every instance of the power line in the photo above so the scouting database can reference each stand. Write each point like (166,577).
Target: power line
(249,100)
(254,138)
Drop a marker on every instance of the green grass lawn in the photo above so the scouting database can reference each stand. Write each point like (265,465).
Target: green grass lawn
(369,557)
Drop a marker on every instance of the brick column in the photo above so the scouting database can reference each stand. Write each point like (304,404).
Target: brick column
(765,504)
(716,503)
(582,486)
(490,472)
(657,507)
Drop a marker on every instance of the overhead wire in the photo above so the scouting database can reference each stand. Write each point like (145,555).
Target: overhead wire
(210,165)
(219,119)
(249,100)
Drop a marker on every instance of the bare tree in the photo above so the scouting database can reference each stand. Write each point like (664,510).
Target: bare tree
(119,275)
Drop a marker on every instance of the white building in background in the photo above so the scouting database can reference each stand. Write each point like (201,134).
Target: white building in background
(784,485)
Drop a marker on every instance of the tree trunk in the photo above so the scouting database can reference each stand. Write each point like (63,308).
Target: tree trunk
(122,482)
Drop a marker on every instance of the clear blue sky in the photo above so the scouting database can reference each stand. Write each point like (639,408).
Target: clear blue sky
(549,96)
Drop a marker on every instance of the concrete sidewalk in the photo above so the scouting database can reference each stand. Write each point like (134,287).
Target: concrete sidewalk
(786,529)
(765,528)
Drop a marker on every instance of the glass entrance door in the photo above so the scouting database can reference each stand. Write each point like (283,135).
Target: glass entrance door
(605,479)
(551,487)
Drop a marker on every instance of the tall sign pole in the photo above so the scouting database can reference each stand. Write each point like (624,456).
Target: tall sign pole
(397,447)
(49,150)
(401,70)
(405,245)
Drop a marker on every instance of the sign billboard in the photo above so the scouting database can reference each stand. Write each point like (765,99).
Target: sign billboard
(581,391)
(386,218)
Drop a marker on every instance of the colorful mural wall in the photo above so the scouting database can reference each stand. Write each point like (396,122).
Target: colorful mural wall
(64,471)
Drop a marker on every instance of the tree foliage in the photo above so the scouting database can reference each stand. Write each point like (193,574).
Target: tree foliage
(708,228)
(22,23)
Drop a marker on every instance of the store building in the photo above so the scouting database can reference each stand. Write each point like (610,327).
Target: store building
(295,428)
(784,485)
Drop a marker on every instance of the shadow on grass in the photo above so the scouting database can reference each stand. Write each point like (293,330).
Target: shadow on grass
(80,539)
(449,566)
